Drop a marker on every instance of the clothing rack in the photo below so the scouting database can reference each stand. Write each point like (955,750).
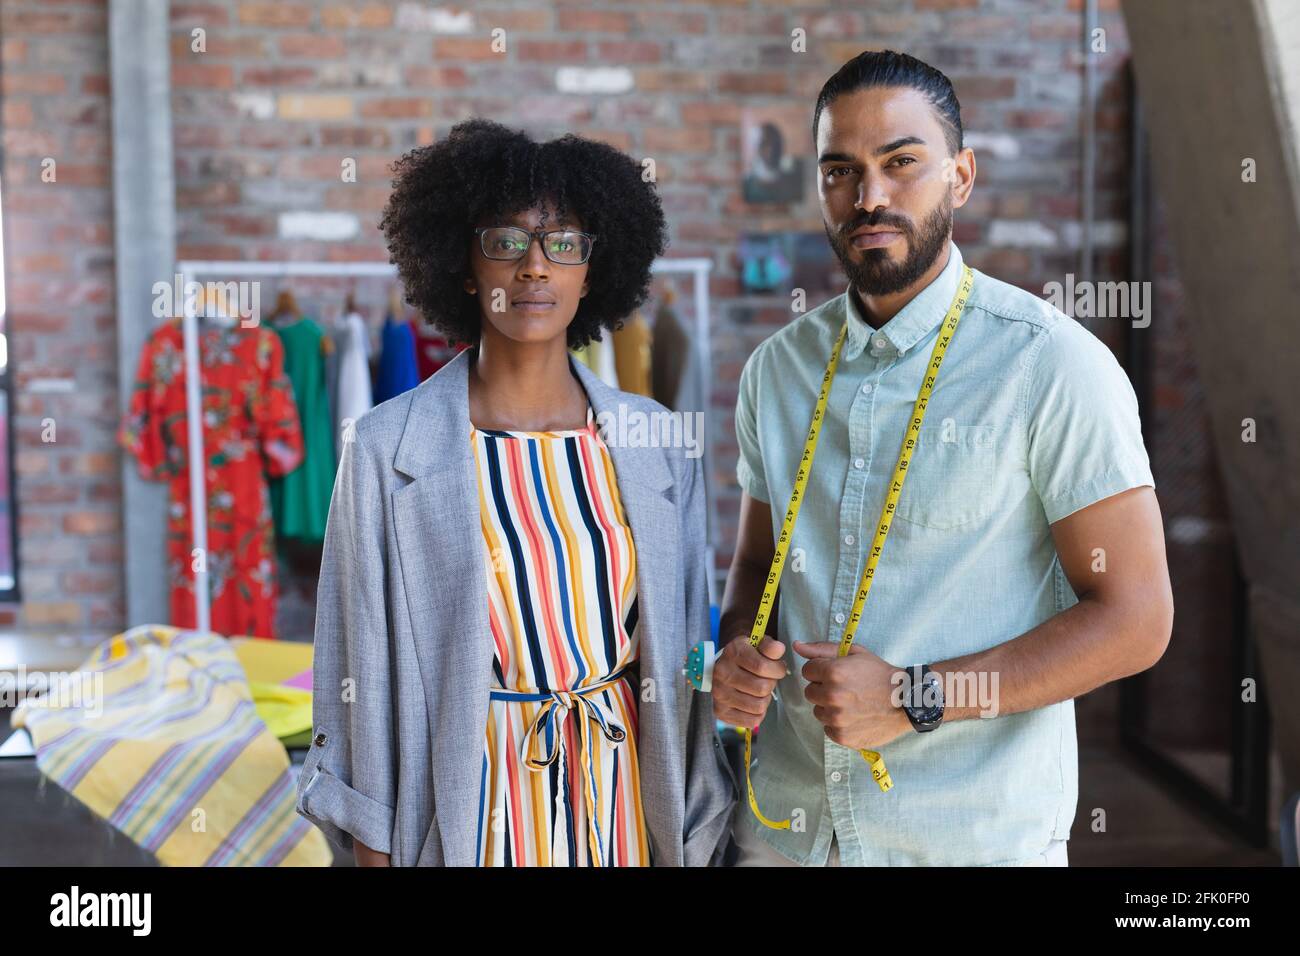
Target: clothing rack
(189,269)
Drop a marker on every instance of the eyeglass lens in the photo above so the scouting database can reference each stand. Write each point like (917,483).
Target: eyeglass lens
(564,247)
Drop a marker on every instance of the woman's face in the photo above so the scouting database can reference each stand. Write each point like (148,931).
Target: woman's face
(530,299)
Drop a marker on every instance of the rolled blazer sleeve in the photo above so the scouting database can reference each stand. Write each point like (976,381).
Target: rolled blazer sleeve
(348,784)
(711,791)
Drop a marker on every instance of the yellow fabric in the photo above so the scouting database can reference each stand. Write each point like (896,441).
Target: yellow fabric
(271,662)
(286,711)
(632,356)
(584,355)
(598,355)
(158,733)
(268,665)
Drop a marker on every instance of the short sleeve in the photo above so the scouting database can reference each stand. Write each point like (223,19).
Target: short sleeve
(141,432)
(1085,437)
(749,462)
(275,412)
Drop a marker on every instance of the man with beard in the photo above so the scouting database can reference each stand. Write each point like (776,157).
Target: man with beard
(1021,564)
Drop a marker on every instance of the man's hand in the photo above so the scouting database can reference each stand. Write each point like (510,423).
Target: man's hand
(744,678)
(852,696)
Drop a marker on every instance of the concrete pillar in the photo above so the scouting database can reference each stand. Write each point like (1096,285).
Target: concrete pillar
(144,227)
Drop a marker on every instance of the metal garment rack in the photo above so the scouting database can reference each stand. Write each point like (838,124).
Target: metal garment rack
(190,269)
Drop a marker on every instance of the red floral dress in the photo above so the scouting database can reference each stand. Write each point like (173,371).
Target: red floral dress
(250,432)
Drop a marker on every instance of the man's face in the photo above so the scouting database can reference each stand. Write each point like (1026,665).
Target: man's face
(888,186)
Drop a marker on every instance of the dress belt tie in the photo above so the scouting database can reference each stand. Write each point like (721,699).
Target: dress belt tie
(543,741)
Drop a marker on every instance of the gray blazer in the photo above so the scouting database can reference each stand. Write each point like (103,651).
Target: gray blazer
(403,658)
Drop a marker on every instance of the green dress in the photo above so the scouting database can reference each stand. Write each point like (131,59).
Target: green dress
(300,501)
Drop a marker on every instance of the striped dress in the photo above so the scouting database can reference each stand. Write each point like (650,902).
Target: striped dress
(560,782)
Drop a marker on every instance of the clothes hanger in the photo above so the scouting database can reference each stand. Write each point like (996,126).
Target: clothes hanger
(286,311)
(211,313)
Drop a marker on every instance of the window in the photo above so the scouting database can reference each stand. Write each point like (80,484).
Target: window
(8,520)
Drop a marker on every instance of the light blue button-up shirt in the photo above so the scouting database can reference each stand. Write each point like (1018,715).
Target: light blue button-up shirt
(1031,419)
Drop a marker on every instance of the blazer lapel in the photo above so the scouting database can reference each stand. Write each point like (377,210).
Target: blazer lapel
(644,480)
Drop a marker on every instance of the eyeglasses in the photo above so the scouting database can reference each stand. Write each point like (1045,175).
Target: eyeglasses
(565,247)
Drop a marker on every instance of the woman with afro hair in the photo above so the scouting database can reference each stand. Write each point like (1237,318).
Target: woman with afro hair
(509,587)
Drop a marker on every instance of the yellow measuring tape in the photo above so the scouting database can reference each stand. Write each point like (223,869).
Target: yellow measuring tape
(872,757)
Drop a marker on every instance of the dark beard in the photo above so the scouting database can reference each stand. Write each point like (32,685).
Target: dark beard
(876,274)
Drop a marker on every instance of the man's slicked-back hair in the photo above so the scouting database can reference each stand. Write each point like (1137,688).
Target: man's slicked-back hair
(887,68)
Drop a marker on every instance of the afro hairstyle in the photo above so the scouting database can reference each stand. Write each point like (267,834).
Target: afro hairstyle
(484,172)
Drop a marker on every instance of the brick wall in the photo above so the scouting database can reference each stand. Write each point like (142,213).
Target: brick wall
(60,314)
(284,92)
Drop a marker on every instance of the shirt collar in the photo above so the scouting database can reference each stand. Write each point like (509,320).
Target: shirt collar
(913,322)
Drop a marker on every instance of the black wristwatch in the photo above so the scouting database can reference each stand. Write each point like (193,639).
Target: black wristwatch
(922,697)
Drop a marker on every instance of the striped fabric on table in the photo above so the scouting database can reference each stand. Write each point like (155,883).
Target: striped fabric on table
(560,782)
(158,734)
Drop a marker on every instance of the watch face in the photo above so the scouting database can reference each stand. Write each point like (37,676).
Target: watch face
(925,702)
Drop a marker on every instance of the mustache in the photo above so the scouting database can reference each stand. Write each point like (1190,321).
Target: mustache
(877,218)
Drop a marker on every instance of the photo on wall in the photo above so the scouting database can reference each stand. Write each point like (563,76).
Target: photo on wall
(781,261)
(774,144)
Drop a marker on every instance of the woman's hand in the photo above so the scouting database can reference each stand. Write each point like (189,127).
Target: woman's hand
(368,857)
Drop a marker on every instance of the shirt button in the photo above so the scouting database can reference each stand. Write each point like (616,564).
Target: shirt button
(839,618)
(880,341)
(848,539)
(858,462)
(866,389)
(836,776)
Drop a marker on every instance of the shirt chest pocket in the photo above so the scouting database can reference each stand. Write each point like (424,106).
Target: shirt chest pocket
(951,480)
